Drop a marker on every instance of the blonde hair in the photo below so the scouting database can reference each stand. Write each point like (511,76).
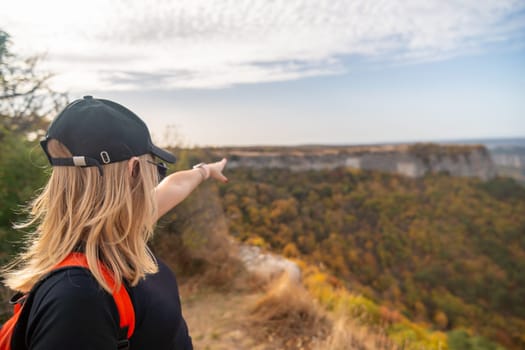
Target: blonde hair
(109,217)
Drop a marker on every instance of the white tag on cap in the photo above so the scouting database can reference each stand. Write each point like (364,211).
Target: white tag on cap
(79,161)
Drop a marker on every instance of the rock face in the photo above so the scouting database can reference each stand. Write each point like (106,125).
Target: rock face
(409,160)
(268,265)
(510,160)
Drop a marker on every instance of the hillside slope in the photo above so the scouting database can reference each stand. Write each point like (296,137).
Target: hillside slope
(445,251)
(274,314)
(229,307)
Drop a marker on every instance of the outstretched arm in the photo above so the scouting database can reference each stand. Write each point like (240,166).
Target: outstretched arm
(176,187)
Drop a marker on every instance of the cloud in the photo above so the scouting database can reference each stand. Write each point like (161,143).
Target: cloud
(211,44)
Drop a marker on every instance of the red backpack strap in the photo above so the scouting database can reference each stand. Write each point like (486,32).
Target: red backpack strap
(121,296)
(8,328)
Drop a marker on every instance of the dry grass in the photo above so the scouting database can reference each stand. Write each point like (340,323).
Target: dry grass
(287,316)
(347,334)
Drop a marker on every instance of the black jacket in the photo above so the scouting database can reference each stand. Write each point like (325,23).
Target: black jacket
(69,310)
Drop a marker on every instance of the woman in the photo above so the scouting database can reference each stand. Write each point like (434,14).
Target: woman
(102,200)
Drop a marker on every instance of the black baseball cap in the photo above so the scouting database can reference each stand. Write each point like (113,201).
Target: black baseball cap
(99,132)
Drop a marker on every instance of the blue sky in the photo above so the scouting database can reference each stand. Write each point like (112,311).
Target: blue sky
(477,96)
(291,72)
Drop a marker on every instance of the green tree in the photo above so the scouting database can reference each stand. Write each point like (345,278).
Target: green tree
(26,103)
(26,100)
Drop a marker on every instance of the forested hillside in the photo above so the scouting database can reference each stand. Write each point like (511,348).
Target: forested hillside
(447,252)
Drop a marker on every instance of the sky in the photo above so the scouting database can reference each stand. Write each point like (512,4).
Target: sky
(288,72)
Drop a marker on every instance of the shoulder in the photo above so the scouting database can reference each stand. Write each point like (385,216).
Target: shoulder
(69,306)
(69,285)
(164,281)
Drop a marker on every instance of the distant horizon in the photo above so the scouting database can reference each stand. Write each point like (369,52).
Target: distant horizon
(517,140)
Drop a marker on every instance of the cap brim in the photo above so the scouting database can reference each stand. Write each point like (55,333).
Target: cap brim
(162,154)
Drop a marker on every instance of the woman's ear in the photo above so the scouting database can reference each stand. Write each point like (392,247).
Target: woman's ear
(133,167)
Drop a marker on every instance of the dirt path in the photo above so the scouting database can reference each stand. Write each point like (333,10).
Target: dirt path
(218,321)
